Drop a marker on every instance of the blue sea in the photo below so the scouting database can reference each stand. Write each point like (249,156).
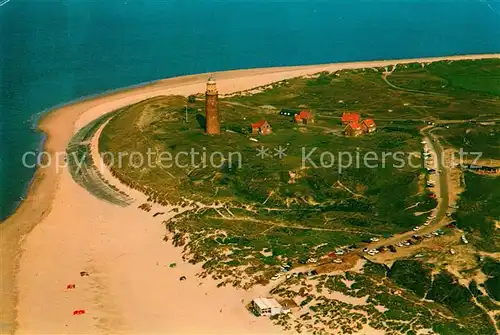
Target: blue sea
(55,51)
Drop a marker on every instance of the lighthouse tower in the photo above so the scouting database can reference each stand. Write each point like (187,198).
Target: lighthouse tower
(212,114)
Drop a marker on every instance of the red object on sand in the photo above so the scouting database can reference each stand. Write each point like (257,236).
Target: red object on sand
(78,311)
(70,286)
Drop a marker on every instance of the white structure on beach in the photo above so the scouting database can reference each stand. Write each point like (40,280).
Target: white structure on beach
(267,306)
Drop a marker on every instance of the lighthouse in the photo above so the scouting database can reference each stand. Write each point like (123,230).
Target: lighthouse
(212,114)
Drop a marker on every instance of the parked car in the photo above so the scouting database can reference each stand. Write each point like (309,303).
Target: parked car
(337,260)
(391,248)
(276,277)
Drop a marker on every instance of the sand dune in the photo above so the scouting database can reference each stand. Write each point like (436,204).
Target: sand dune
(61,229)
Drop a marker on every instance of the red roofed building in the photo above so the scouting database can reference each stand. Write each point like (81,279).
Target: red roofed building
(350,117)
(353,129)
(304,117)
(369,126)
(262,127)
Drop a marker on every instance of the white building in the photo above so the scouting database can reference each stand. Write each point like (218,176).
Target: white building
(267,306)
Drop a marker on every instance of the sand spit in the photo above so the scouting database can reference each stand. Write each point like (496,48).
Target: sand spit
(60,230)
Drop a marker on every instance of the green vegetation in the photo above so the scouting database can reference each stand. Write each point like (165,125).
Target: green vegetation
(447,291)
(375,269)
(412,275)
(454,78)
(443,288)
(479,208)
(474,290)
(380,303)
(473,138)
(491,268)
(251,215)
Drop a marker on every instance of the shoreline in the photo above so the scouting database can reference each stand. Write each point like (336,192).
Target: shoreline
(55,124)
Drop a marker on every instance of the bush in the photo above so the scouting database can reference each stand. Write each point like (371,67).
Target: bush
(474,289)
(375,269)
(491,267)
(446,290)
(412,275)
(492,286)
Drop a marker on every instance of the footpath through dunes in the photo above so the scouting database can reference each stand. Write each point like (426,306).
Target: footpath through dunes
(61,229)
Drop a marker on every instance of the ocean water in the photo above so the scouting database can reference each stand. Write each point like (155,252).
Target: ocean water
(54,51)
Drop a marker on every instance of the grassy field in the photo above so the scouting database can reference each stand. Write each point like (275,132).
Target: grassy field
(479,211)
(477,137)
(476,78)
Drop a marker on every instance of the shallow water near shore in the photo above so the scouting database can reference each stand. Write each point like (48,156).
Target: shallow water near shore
(58,51)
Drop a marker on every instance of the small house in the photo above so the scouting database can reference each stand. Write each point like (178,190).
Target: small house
(369,126)
(350,118)
(353,129)
(262,127)
(267,306)
(304,117)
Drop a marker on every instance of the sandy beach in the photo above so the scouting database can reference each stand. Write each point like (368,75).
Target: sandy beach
(61,229)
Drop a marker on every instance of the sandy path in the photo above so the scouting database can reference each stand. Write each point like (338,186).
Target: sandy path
(60,229)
